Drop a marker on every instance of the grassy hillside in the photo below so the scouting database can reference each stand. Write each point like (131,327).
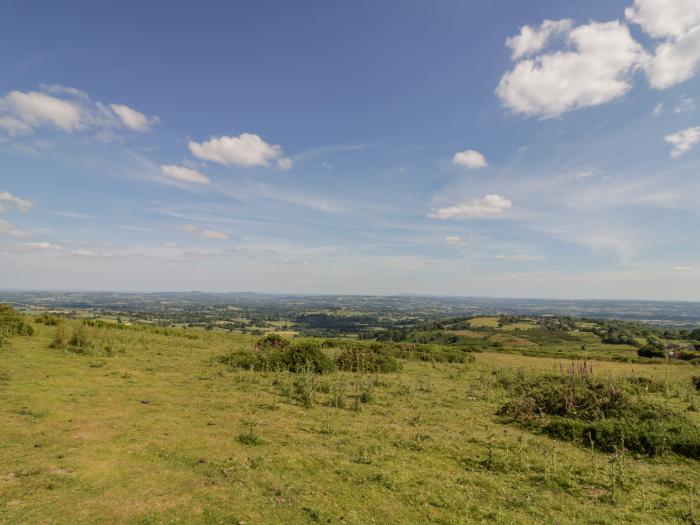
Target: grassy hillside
(147,425)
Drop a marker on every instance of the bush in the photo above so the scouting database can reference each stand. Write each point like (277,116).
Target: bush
(651,351)
(297,357)
(366,360)
(79,340)
(272,342)
(12,322)
(600,414)
(47,319)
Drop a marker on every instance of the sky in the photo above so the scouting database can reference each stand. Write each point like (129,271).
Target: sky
(463,147)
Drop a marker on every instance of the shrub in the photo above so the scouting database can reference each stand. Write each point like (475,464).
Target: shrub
(298,357)
(272,342)
(696,382)
(366,360)
(600,414)
(47,319)
(651,350)
(61,337)
(12,322)
(79,340)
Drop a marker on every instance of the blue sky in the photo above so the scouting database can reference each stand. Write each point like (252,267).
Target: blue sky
(494,148)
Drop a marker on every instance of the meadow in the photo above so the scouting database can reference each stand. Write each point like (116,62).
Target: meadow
(141,424)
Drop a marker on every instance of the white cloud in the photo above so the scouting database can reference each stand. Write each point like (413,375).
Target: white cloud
(586,174)
(531,40)
(520,257)
(682,269)
(133,119)
(14,126)
(596,70)
(470,158)
(664,18)
(10,230)
(488,206)
(246,150)
(22,205)
(207,234)
(658,109)
(684,105)
(68,109)
(93,254)
(183,174)
(40,246)
(454,240)
(34,109)
(683,141)
(677,24)
(675,60)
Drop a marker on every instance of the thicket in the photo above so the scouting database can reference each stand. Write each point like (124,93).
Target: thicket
(274,353)
(600,414)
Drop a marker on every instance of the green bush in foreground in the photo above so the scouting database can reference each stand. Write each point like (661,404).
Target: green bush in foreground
(296,357)
(599,414)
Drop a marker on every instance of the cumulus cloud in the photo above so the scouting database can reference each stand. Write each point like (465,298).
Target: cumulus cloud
(470,158)
(595,69)
(7,199)
(683,141)
(664,18)
(183,174)
(35,109)
(207,234)
(531,40)
(682,269)
(677,24)
(486,207)
(67,109)
(10,230)
(133,119)
(246,150)
(675,60)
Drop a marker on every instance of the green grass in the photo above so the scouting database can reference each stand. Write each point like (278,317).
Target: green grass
(158,430)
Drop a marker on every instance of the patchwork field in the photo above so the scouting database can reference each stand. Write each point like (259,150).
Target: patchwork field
(149,425)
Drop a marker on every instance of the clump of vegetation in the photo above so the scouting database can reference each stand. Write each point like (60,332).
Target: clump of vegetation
(434,353)
(600,414)
(274,353)
(653,348)
(78,339)
(273,342)
(249,436)
(12,323)
(367,360)
(47,319)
